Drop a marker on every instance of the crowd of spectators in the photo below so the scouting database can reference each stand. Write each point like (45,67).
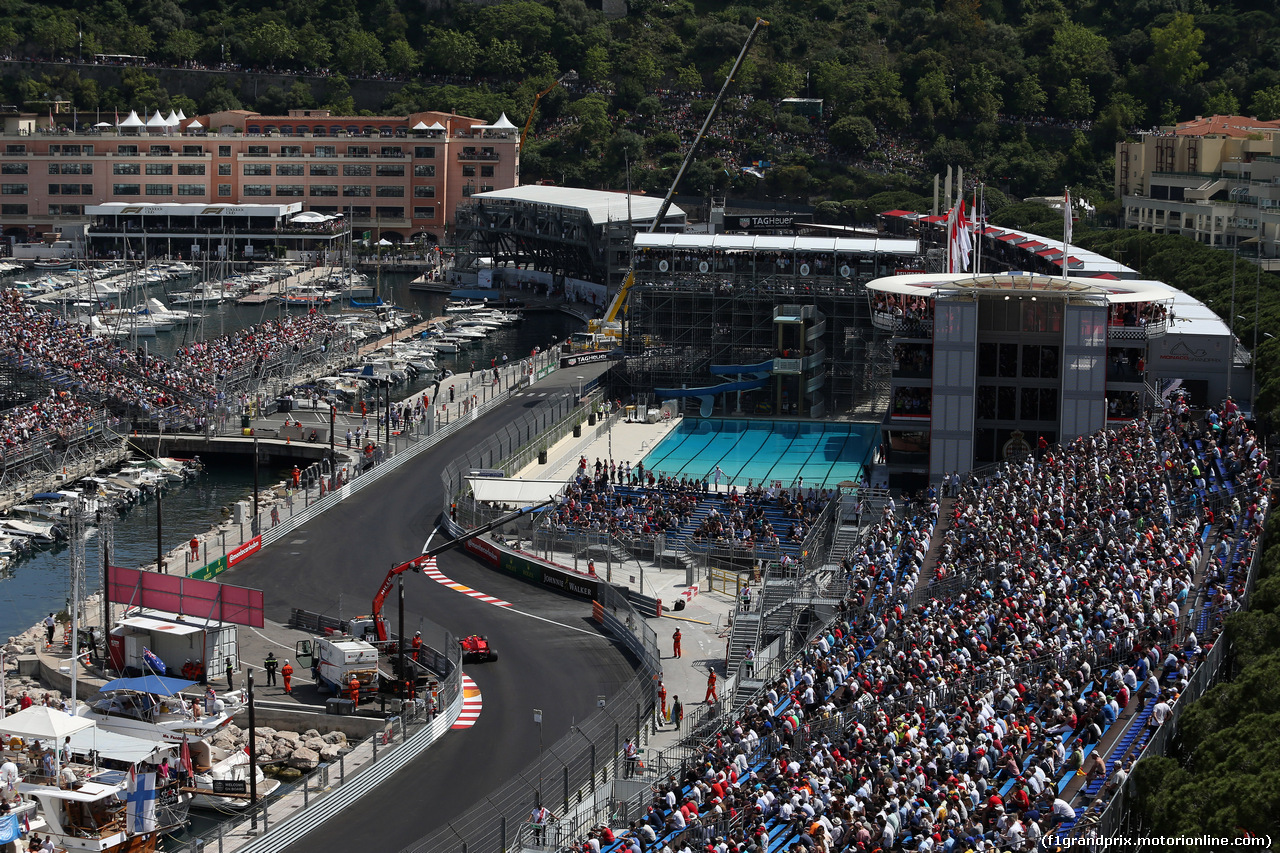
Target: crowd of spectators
(955,724)
(100,374)
(911,309)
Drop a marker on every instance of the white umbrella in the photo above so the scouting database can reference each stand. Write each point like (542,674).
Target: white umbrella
(103,124)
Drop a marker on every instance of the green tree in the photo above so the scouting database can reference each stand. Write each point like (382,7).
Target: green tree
(56,34)
(979,93)
(218,98)
(136,39)
(360,52)
(401,58)
(596,67)
(1176,51)
(452,51)
(314,49)
(689,78)
(8,37)
(782,80)
(271,42)
(1265,104)
(182,45)
(1074,100)
(1029,98)
(853,133)
(503,58)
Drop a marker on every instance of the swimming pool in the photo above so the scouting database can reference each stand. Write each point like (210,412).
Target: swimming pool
(824,454)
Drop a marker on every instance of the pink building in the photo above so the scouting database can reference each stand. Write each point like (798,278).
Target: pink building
(400,175)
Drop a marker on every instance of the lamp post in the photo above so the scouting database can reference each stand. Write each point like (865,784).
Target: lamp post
(253,528)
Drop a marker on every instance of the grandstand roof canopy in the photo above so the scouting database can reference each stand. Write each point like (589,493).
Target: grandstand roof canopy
(510,490)
(603,207)
(1114,290)
(778,243)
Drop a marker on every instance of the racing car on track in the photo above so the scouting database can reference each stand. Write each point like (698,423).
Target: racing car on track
(476,649)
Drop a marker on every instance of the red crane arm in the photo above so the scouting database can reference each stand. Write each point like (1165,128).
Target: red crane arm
(416,564)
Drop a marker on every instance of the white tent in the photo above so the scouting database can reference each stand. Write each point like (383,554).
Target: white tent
(384,242)
(133,120)
(436,125)
(421,125)
(181,116)
(40,722)
(157,122)
(195,124)
(171,119)
(103,124)
(503,123)
(310,216)
(118,747)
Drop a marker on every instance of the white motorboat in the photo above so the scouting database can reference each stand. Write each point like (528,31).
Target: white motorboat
(211,764)
(38,531)
(89,817)
(153,707)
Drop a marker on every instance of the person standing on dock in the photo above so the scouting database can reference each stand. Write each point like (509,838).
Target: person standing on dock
(49,626)
(231,671)
(287,672)
(675,643)
(270,665)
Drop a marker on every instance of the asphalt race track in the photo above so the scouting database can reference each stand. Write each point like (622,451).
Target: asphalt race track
(558,663)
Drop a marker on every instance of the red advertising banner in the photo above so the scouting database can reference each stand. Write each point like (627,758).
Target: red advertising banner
(186,596)
(238,554)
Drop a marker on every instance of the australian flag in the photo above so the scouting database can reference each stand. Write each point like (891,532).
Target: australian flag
(152,662)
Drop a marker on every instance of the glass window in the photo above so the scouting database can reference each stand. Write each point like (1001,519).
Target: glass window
(468,171)
(290,150)
(986,402)
(224,190)
(356,190)
(424,152)
(159,189)
(357,150)
(1031,362)
(360,212)
(1049,362)
(289,189)
(988,355)
(13,189)
(486,171)
(390,192)
(13,209)
(160,151)
(190,189)
(424,213)
(257,169)
(126,189)
(424,192)
(191,168)
(159,168)
(1006,403)
(257,189)
(326,151)
(391,212)
(256,151)
(13,168)
(224,170)
(1008,364)
(392,151)
(15,149)
(390,170)
(192,150)
(325,170)
(127,150)
(324,189)
(424,171)
(292,170)
(356,170)
(224,150)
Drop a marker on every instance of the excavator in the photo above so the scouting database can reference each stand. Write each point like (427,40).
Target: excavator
(610,326)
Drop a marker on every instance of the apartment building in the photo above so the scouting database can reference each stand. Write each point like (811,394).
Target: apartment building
(402,176)
(1215,179)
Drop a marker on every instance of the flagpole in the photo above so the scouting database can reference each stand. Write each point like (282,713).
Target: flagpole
(1066,228)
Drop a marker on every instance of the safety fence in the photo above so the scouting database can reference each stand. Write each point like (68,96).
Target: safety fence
(272,824)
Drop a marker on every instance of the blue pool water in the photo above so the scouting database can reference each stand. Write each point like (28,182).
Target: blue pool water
(824,454)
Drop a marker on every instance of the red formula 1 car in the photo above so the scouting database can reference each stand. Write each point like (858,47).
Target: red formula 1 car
(476,649)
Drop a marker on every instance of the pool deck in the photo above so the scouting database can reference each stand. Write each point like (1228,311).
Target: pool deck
(629,441)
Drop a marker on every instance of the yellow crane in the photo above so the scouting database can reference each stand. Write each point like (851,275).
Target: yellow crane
(609,325)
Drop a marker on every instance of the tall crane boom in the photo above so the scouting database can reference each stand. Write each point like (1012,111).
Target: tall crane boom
(620,298)
(711,115)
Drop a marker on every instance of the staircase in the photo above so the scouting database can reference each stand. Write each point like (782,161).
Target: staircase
(746,635)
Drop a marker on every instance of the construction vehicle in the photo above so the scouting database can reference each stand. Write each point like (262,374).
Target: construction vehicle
(611,324)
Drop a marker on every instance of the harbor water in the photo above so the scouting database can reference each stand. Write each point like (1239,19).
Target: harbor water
(38,584)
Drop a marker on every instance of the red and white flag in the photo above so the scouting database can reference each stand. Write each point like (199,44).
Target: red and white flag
(959,244)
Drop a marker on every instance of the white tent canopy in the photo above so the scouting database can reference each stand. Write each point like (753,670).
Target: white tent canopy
(510,490)
(118,747)
(133,120)
(311,216)
(40,722)
(503,123)
(195,124)
(171,119)
(181,116)
(436,125)
(421,125)
(103,124)
(157,120)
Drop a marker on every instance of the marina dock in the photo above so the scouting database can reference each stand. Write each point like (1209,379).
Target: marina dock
(306,278)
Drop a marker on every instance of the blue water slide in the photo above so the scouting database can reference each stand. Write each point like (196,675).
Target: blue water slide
(707,393)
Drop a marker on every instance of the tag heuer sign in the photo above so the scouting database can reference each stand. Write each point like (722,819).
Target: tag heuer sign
(773,222)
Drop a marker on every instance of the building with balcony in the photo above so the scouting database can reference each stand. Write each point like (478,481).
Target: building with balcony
(1215,180)
(984,366)
(401,176)
(760,325)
